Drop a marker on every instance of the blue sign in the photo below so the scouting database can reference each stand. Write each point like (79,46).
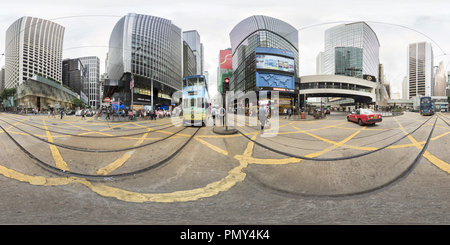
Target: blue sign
(269,80)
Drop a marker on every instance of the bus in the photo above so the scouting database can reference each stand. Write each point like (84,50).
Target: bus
(426,107)
(196,103)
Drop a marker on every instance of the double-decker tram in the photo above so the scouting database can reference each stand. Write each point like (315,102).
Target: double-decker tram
(426,106)
(196,106)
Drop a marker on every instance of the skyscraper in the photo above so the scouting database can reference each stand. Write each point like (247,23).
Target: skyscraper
(351,50)
(33,46)
(149,49)
(192,38)
(91,85)
(440,80)
(264,49)
(420,69)
(74,75)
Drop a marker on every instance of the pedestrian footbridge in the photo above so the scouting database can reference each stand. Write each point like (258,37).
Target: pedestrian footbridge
(362,91)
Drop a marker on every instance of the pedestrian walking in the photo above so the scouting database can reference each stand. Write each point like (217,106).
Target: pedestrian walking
(222,115)
(262,117)
(108,112)
(290,113)
(83,115)
(62,114)
(213,113)
(285,113)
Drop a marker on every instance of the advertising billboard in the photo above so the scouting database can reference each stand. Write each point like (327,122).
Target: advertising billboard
(275,69)
(272,62)
(275,82)
(226,59)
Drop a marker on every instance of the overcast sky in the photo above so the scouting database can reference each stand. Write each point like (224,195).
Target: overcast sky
(88,25)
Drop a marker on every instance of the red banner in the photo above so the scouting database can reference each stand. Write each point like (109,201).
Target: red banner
(226,59)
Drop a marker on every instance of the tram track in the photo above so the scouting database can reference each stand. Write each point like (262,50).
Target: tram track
(378,188)
(331,159)
(94,150)
(90,136)
(56,170)
(318,140)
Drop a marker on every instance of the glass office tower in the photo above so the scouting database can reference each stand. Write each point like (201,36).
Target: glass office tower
(149,49)
(251,33)
(351,50)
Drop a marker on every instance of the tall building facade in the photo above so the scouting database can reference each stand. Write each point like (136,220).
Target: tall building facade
(92,83)
(33,46)
(2,79)
(420,69)
(189,61)
(351,50)
(192,38)
(74,75)
(149,49)
(265,58)
(440,80)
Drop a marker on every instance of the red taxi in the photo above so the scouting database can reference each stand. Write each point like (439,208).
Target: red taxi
(364,116)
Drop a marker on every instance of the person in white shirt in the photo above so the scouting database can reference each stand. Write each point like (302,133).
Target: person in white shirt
(213,113)
(221,115)
(262,117)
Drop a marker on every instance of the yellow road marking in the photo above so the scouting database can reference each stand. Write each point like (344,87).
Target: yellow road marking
(213,147)
(316,154)
(59,161)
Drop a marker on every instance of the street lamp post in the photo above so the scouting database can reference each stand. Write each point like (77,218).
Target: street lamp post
(132,79)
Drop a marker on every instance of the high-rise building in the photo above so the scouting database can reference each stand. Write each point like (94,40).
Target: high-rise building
(352,50)
(149,49)
(189,61)
(192,38)
(92,84)
(404,89)
(2,79)
(33,46)
(420,69)
(74,75)
(265,58)
(440,80)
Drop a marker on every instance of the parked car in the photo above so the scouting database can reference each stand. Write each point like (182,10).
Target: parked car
(364,116)
(78,113)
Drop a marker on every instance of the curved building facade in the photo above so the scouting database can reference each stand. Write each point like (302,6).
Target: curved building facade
(33,46)
(148,48)
(351,50)
(263,38)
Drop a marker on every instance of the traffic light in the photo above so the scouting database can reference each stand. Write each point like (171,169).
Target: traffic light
(226,85)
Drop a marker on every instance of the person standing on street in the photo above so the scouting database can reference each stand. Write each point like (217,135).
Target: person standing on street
(262,117)
(222,115)
(108,112)
(62,114)
(213,113)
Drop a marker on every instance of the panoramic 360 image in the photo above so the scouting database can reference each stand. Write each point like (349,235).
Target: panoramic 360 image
(224,113)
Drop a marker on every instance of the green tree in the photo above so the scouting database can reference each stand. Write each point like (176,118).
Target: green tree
(78,103)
